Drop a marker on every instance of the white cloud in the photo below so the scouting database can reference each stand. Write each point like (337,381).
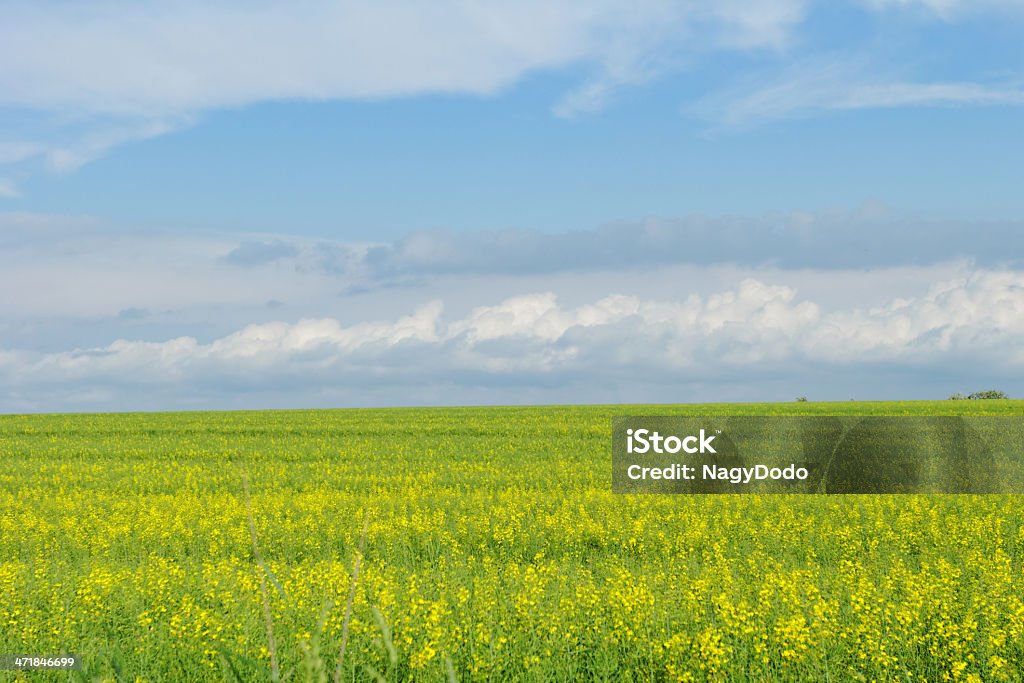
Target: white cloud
(754,327)
(274,340)
(106,73)
(72,155)
(158,59)
(66,146)
(838,85)
(292,321)
(80,268)
(980,312)
(113,71)
(645,45)
(13,152)
(948,10)
(534,315)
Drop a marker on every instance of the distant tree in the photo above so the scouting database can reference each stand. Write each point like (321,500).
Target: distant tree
(979,395)
(801,399)
(991,393)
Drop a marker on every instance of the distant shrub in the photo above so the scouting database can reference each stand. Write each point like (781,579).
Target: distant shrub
(991,393)
(801,399)
(979,395)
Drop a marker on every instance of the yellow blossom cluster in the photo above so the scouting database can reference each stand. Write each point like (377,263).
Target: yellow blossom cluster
(495,551)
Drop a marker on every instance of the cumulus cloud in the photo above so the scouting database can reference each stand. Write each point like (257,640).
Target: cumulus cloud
(629,312)
(754,327)
(979,314)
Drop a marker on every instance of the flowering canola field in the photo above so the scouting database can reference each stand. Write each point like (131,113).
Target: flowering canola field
(494,550)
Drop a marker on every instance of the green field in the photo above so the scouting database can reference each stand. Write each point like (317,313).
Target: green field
(495,550)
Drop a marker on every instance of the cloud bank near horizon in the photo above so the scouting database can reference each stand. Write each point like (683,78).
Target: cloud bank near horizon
(76,267)
(867,238)
(747,333)
(688,309)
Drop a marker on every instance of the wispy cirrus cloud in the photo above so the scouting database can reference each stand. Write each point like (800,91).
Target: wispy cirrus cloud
(643,50)
(841,84)
(97,75)
(64,146)
(949,10)
(96,139)
(12,151)
(147,59)
(112,72)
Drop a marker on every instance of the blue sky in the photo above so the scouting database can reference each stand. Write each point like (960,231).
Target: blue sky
(264,205)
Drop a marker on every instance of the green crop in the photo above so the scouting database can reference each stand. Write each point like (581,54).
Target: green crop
(493,549)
